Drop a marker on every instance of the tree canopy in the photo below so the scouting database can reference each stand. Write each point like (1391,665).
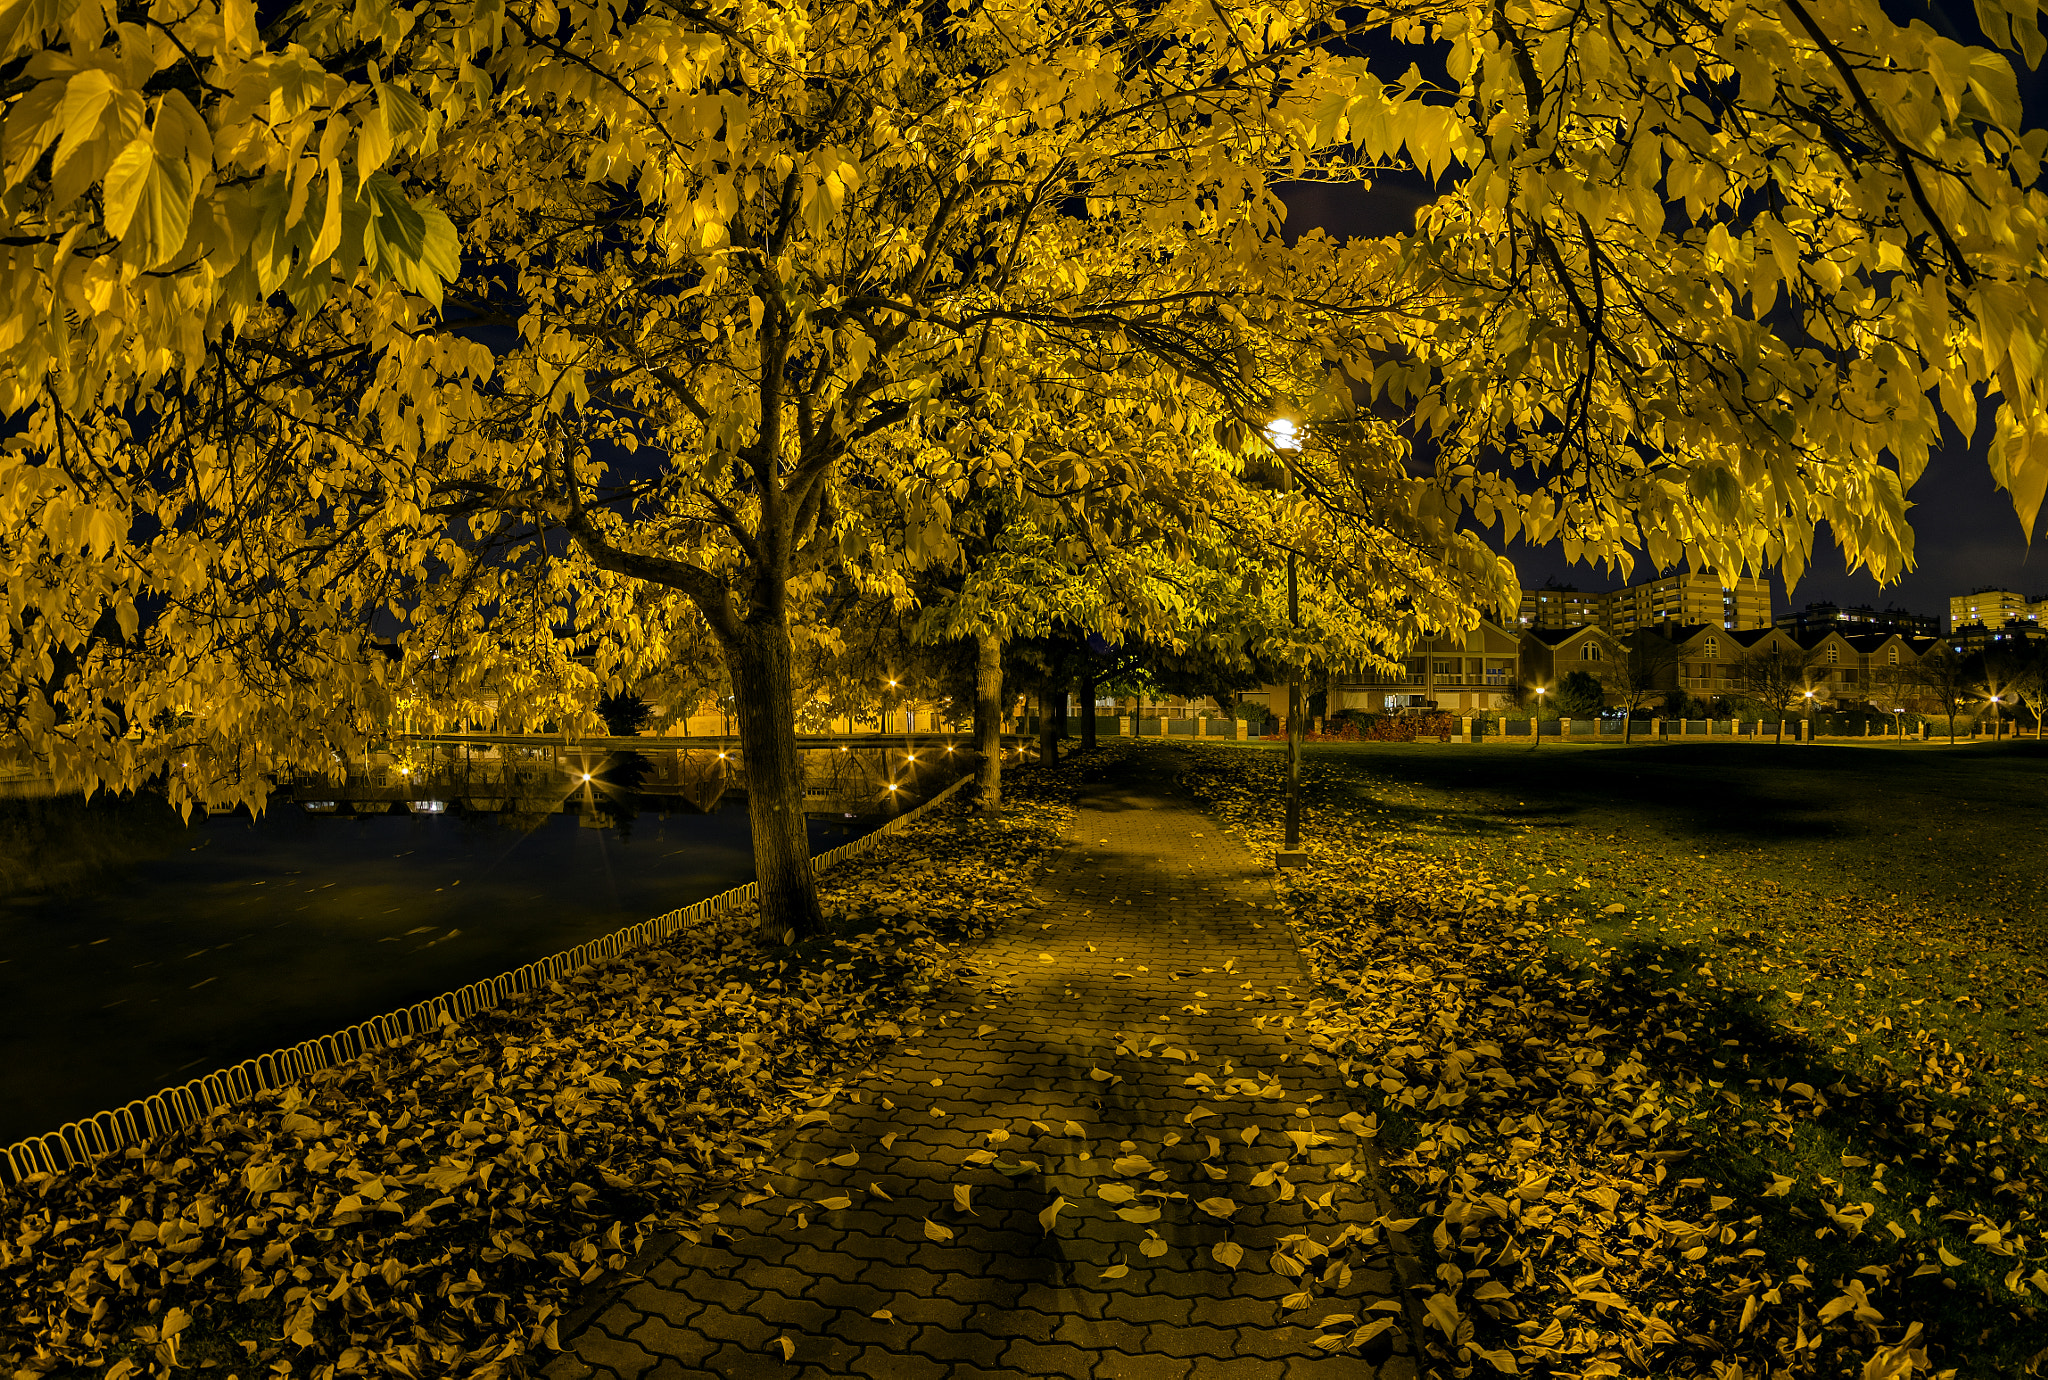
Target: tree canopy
(543,331)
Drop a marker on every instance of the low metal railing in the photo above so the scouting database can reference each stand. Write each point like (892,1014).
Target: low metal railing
(187,1104)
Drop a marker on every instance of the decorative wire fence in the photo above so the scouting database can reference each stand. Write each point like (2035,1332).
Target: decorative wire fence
(175,1108)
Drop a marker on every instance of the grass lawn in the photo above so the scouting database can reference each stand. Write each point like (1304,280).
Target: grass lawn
(1832,960)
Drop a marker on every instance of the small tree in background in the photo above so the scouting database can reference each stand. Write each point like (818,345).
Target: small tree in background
(1773,676)
(624,714)
(1580,695)
(1946,679)
(1893,689)
(1636,682)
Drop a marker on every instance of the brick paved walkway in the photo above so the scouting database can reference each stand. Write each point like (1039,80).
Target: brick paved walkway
(1129,1068)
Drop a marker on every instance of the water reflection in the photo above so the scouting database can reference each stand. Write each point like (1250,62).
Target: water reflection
(137,950)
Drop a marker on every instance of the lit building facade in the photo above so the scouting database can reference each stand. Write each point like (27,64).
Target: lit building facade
(1684,598)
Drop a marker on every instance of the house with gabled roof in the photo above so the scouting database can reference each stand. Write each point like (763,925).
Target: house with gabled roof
(1551,654)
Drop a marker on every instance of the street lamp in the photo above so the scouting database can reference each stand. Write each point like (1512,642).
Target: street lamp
(1809,716)
(1282,437)
(1536,724)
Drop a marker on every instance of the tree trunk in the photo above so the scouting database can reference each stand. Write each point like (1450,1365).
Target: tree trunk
(759,658)
(1060,710)
(1088,708)
(988,721)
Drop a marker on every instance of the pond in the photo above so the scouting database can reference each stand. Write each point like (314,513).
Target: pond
(138,951)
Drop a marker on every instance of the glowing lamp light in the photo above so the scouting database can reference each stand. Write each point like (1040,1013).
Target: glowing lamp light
(912,757)
(892,785)
(586,776)
(1281,435)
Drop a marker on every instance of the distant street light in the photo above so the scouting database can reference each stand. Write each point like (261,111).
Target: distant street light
(1536,724)
(1282,436)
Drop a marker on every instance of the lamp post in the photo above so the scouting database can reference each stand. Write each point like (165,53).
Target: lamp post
(1994,718)
(1281,436)
(1809,716)
(1536,724)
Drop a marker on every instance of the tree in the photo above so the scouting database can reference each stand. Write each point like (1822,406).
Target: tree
(548,339)
(1894,688)
(1947,680)
(1644,676)
(1773,675)
(1580,695)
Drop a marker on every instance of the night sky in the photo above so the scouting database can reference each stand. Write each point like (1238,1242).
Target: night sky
(1965,531)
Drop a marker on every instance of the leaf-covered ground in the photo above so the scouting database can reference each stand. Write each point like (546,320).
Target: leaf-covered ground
(434,1208)
(1663,1108)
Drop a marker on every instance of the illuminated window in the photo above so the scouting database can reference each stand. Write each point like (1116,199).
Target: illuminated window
(1834,656)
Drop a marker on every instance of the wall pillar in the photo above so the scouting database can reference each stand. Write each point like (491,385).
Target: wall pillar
(1465,730)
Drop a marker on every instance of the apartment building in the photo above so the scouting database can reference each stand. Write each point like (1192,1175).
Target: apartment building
(1857,619)
(1994,608)
(1679,599)
(1561,606)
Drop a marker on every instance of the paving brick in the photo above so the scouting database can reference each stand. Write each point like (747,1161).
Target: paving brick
(901,1278)
(775,1278)
(946,1344)
(1338,1368)
(806,1315)
(1115,1365)
(733,1362)
(1057,1359)
(1098,1334)
(882,1364)
(681,1344)
(976,1289)
(928,1312)
(1147,1308)
(670,1369)
(856,1298)
(627,1360)
(1190,1340)
(716,1322)
(1239,1368)
(1013,1322)
(567,1366)
(675,1306)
